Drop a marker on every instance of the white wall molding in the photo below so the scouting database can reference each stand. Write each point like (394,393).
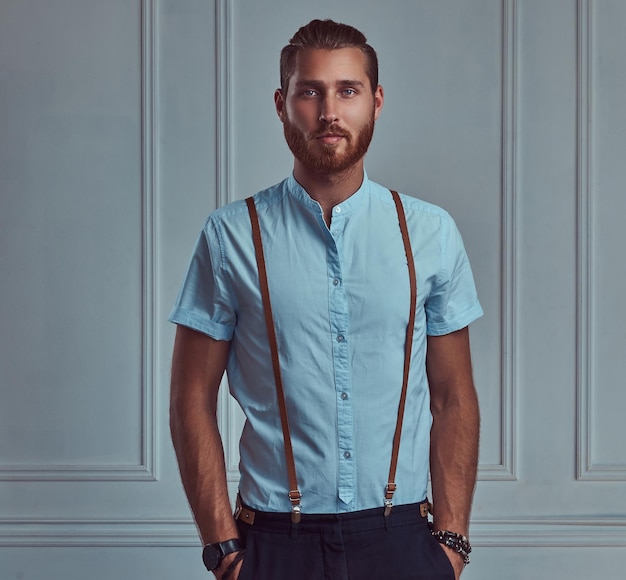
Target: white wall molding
(587,467)
(577,532)
(150,220)
(506,469)
(229,409)
(147,468)
(583,236)
(550,531)
(31,532)
(224,121)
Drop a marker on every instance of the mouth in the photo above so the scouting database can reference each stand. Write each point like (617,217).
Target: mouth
(330,138)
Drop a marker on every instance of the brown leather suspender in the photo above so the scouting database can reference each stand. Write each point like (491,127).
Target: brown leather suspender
(391,485)
(294,492)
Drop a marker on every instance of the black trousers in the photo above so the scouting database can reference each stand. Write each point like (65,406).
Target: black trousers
(348,546)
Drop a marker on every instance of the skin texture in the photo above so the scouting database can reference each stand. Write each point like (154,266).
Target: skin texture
(329,92)
(328,114)
(198,364)
(454,433)
(328,148)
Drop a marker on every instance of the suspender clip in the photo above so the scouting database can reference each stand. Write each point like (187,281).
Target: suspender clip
(294,497)
(390,489)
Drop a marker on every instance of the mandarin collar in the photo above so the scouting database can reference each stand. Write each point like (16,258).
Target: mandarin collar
(352,203)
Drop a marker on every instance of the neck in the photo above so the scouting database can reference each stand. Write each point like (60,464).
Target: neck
(329,189)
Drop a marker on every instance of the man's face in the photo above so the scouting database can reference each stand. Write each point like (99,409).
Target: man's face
(329,111)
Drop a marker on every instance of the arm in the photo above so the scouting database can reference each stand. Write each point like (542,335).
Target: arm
(454,434)
(198,365)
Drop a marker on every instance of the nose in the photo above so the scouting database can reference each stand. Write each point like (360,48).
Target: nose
(328,112)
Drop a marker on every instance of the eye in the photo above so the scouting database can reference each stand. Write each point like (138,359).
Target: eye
(348,92)
(309,93)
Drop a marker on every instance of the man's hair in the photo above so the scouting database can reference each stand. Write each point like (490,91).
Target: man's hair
(328,35)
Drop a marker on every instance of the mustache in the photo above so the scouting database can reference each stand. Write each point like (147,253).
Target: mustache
(332,130)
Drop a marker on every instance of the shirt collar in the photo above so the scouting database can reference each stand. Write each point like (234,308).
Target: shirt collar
(352,203)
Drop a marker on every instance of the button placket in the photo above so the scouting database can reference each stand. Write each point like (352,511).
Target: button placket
(339,316)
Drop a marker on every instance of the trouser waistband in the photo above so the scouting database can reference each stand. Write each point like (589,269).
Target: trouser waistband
(369,519)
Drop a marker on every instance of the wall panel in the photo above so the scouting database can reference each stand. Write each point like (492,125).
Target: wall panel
(601,276)
(70,273)
(123,124)
(82,440)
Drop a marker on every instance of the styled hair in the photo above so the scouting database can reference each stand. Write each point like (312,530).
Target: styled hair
(328,35)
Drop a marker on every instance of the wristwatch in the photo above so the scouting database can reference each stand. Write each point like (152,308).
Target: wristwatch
(213,554)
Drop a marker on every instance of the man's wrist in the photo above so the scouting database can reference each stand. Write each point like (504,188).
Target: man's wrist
(455,542)
(213,555)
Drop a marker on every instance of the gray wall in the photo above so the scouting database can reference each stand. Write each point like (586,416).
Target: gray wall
(122,124)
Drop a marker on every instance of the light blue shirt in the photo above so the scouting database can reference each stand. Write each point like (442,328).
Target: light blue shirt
(340,298)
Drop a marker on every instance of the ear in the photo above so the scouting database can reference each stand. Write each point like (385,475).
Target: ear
(379,99)
(279,103)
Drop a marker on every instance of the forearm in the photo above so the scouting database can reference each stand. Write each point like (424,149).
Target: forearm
(200,456)
(198,365)
(453,460)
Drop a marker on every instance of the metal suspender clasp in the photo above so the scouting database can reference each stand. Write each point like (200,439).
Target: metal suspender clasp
(390,488)
(294,497)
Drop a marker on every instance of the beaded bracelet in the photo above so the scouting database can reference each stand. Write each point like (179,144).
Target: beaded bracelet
(459,543)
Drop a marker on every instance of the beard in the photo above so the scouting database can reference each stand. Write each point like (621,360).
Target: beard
(324,157)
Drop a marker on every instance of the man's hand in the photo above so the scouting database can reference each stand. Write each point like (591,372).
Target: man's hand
(455,559)
(219,573)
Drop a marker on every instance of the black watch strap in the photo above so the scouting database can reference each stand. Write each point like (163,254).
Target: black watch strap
(213,554)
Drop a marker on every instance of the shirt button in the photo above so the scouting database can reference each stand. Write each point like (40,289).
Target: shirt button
(340,338)
(336,282)
(344,396)
(335,232)
(347,454)
(338,209)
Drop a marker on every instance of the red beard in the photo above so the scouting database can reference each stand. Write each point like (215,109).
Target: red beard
(326,159)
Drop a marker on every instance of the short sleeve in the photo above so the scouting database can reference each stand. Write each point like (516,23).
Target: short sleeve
(453,301)
(204,302)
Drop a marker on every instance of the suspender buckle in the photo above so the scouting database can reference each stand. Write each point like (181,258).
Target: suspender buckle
(295,496)
(390,489)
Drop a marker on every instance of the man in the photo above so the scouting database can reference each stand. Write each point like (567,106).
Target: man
(339,303)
